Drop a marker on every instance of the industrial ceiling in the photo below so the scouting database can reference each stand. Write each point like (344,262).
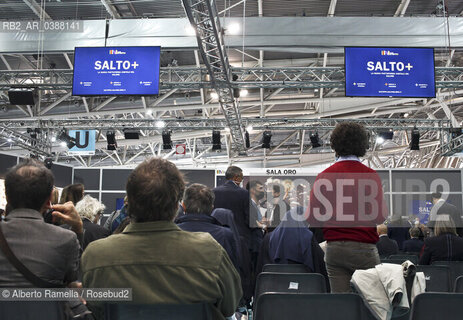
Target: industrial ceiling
(287,57)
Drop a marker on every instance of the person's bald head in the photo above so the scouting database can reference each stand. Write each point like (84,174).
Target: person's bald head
(381,229)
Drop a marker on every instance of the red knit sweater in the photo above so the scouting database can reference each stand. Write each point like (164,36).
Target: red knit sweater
(358,234)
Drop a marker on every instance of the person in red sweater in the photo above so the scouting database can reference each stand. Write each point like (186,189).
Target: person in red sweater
(347,202)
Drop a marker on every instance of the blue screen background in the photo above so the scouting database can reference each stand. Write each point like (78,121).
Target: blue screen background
(360,81)
(139,79)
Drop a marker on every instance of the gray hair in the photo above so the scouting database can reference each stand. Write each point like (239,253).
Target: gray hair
(198,198)
(89,207)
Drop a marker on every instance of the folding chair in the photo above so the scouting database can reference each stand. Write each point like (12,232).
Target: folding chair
(404,257)
(437,278)
(456,268)
(317,306)
(431,306)
(290,283)
(32,310)
(286,268)
(125,311)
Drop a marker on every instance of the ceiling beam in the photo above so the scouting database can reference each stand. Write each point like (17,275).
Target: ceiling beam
(111,9)
(37,9)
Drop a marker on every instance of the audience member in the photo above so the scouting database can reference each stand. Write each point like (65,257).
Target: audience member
(292,242)
(414,245)
(278,209)
(348,247)
(385,246)
(89,210)
(440,206)
(51,253)
(256,220)
(225,217)
(198,203)
(397,230)
(445,245)
(160,262)
(73,193)
(116,217)
(231,196)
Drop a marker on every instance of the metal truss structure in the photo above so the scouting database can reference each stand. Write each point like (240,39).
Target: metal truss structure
(434,133)
(293,93)
(204,17)
(209,124)
(191,78)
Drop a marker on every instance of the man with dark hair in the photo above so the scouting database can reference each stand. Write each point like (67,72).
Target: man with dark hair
(414,245)
(340,192)
(198,203)
(231,196)
(48,251)
(160,262)
(443,207)
(279,207)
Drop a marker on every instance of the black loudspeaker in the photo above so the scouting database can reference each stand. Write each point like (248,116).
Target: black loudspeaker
(131,134)
(415,141)
(216,144)
(248,142)
(266,139)
(111,140)
(22,96)
(166,140)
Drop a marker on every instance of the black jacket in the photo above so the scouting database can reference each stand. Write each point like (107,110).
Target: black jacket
(317,255)
(386,246)
(413,245)
(445,247)
(205,223)
(230,196)
(92,232)
(453,212)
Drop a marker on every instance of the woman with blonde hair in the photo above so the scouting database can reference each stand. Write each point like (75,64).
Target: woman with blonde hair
(445,245)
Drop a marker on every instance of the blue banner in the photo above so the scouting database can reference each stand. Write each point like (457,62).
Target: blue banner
(116,71)
(389,72)
(85,142)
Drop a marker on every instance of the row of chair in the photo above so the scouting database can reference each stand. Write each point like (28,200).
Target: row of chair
(427,306)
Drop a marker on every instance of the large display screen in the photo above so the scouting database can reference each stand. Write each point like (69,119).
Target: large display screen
(389,72)
(116,71)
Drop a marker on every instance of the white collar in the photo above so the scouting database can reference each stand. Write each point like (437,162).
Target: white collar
(348,158)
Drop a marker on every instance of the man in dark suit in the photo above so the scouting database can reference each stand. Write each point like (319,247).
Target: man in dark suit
(443,207)
(414,245)
(48,251)
(198,204)
(231,196)
(385,246)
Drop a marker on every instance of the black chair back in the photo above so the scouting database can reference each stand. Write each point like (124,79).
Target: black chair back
(290,283)
(389,260)
(32,310)
(431,306)
(126,311)
(458,287)
(404,257)
(437,278)
(320,306)
(286,268)
(456,268)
